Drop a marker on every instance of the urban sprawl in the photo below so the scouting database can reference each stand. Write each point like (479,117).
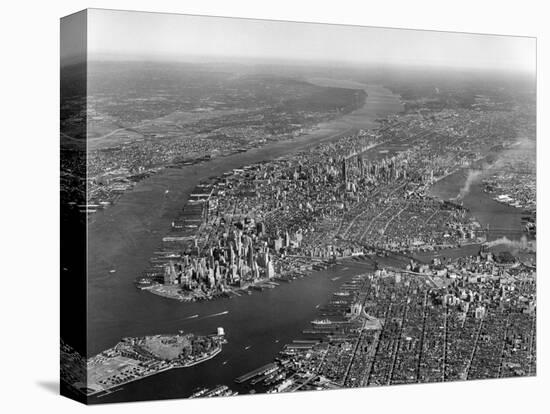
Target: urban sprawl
(416,314)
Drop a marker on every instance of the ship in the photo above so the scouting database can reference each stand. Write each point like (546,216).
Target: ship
(199,393)
(145,283)
(321,322)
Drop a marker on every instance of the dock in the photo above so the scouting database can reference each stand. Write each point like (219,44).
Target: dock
(255,372)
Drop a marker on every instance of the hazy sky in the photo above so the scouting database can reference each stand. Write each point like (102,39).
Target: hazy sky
(175,37)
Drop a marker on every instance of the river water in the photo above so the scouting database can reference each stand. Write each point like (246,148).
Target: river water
(500,219)
(257,327)
(124,237)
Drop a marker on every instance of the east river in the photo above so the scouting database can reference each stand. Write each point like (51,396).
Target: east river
(124,237)
(502,220)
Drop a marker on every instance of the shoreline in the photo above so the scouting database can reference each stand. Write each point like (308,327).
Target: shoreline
(208,357)
(259,285)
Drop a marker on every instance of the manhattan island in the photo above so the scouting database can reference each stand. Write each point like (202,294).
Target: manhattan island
(362,194)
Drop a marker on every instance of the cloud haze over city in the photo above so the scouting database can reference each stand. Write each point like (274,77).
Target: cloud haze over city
(159,36)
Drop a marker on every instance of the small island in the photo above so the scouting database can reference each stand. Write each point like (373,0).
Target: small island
(135,358)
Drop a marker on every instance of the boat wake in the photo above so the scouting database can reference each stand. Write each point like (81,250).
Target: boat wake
(216,314)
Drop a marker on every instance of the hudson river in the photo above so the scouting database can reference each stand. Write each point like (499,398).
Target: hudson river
(125,236)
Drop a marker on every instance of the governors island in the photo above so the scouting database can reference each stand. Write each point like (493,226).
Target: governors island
(136,358)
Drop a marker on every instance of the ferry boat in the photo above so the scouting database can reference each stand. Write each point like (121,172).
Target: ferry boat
(144,283)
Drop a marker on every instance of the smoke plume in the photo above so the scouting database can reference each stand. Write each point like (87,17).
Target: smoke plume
(522,244)
(473,175)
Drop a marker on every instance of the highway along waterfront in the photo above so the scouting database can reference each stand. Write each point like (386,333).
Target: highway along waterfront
(123,237)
